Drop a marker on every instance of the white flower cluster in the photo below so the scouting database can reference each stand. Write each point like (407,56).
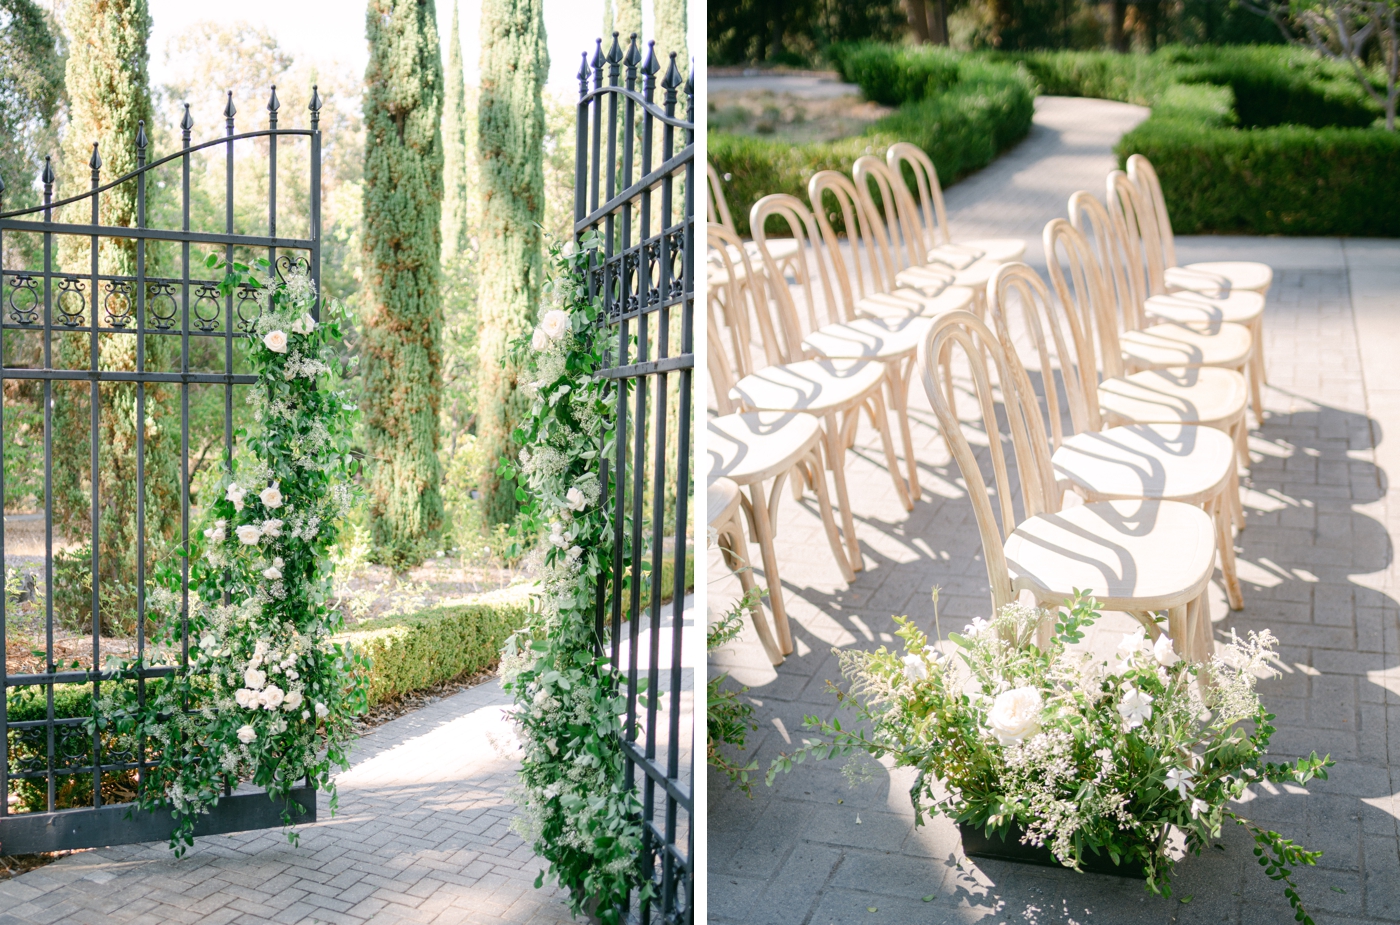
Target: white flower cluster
(303,366)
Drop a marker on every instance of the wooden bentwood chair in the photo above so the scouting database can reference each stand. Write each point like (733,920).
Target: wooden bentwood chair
(1137,556)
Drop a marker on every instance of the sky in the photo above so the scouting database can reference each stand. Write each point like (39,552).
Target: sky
(334,30)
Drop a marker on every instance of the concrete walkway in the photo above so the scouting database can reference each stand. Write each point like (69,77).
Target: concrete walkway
(1317,565)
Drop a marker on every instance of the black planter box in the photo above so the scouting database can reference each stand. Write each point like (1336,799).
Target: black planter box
(977,844)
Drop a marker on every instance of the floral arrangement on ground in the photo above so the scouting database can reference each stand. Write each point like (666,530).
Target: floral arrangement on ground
(1077,753)
(570,708)
(264,695)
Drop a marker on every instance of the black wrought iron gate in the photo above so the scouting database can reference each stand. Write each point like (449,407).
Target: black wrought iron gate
(72,334)
(634,186)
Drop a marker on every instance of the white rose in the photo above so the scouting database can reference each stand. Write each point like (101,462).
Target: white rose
(1163,652)
(235,494)
(276,341)
(574,552)
(557,536)
(246,735)
(217,533)
(292,674)
(249,534)
(254,678)
(246,699)
(272,495)
(271,697)
(555,323)
(293,700)
(304,325)
(305,714)
(272,573)
(271,528)
(914,668)
(539,340)
(321,711)
(1015,714)
(575,500)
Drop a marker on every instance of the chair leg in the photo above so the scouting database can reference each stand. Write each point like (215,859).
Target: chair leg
(817,477)
(1256,382)
(1258,331)
(1179,629)
(836,462)
(900,377)
(1225,542)
(1205,635)
(876,407)
(761,525)
(738,550)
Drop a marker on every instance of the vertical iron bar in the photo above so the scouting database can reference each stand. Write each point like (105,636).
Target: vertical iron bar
(316,199)
(48,180)
(229,112)
(4,670)
(272,106)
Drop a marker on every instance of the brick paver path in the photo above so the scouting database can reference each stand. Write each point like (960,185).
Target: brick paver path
(422,835)
(1317,564)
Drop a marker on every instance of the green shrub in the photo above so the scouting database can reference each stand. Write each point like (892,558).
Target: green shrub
(28,749)
(896,74)
(987,110)
(409,653)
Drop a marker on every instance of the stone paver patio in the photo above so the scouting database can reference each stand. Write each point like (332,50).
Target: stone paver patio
(1317,565)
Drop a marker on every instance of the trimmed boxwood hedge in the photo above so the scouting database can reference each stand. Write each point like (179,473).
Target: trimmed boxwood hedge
(963,124)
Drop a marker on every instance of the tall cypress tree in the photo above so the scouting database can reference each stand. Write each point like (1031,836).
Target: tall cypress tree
(623,17)
(671,25)
(510,158)
(454,150)
(109,98)
(402,343)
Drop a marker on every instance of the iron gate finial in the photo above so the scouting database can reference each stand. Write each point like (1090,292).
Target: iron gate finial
(95,162)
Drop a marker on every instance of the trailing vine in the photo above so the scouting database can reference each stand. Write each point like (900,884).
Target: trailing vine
(570,711)
(266,696)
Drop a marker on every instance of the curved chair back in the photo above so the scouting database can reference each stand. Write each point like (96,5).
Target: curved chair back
(933,226)
(1078,282)
(716,206)
(869,246)
(1138,228)
(1144,177)
(744,305)
(1122,300)
(819,295)
(965,331)
(1055,337)
(895,213)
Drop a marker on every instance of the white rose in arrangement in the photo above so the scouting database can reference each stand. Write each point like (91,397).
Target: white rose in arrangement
(217,533)
(271,528)
(246,734)
(271,697)
(249,534)
(276,341)
(555,324)
(292,674)
(914,668)
(321,711)
(293,700)
(557,535)
(235,494)
(1163,652)
(1135,707)
(539,340)
(273,571)
(304,325)
(271,496)
(574,552)
(246,699)
(576,500)
(1015,714)
(254,678)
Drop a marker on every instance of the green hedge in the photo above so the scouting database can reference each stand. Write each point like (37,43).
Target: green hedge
(963,128)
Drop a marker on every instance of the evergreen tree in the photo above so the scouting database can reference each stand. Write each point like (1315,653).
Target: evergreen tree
(510,119)
(454,150)
(109,105)
(623,17)
(671,25)
(402,340)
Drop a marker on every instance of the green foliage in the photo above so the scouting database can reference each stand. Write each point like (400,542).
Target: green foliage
(729,720)
(895,74)
(31,90)
(455,202)
(987,109)
(409,653)
(795,32)
(402,337)
(511,130)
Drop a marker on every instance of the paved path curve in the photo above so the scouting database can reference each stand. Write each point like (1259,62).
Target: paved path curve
(1317,564)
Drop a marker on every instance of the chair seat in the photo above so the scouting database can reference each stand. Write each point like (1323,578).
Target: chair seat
(1166,462)
(963,254)
(931,279)
(904,302)
(755,445)
(1208,396)
(1221,276)
(721,500)
(1165,346)
(1198,308)
(816,386)
(1130,555)
(870,338)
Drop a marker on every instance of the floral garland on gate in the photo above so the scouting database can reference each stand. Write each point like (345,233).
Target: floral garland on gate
(569,708)
(267,697)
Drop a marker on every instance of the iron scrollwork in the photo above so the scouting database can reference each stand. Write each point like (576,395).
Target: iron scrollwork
(24,299)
